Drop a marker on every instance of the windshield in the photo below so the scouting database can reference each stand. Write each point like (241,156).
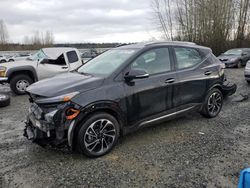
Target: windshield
(38,55)
(233,52)
(106,63)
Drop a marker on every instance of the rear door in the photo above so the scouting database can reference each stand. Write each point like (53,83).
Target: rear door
(151,96)
(74,60)
(193,72)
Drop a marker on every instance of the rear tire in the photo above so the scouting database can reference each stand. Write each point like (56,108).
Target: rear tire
(98,135)
(213,103)
(19,83)
(4,100)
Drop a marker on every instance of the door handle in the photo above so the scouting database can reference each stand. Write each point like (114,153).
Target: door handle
(207,73)
(170,81)
(64,67)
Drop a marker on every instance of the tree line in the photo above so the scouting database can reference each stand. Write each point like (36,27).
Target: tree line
(219,24)
(36,41)
(40,40)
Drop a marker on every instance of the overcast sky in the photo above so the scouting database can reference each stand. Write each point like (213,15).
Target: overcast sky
(79,20)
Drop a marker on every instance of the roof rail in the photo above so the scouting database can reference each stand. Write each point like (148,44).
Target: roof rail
(176,42)
(119,45)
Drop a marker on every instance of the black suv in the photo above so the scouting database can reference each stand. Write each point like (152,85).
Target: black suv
(122,90)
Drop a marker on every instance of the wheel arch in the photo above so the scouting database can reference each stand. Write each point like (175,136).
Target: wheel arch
(27,70)
(108,107)
(217,86)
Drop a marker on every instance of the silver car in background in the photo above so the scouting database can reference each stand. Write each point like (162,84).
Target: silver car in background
(247,72)
(19,57)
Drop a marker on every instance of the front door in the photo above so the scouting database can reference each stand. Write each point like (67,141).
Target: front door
(153,95)
(52,68)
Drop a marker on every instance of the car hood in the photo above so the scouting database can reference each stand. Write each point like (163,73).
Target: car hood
(13,64)
(228,57)
(64,83)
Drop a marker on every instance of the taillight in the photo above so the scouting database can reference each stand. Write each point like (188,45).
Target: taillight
(72,113)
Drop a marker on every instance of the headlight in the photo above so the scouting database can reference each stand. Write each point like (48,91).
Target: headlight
(61,98)
(2,71)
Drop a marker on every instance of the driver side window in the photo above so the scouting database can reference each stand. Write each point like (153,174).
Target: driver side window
(153,61)
(59,61)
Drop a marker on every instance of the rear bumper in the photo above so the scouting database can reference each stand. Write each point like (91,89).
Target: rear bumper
(230,64)
(228,88)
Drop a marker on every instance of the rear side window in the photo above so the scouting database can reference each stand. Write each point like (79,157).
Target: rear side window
(187,57)
(72,56)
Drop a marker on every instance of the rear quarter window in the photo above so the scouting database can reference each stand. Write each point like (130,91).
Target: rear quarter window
(187,57)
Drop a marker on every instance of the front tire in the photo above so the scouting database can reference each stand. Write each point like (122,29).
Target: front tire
(213,103)
(19,83)
(98,135)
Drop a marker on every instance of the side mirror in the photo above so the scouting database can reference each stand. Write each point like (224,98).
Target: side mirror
(136,74)
(44,61)
(244,54)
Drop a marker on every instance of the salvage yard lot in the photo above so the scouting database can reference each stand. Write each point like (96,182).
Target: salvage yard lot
(187,152)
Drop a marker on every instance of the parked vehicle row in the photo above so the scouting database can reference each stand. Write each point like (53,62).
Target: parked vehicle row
(122,90)
(16,57)
(3,59)
(235,57)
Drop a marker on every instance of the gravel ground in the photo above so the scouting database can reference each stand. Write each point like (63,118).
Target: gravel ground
(187,152)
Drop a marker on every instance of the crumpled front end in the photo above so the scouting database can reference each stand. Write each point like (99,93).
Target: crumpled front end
(50,123)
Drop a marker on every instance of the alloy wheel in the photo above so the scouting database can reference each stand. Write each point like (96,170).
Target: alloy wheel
(100,136)
(214,103)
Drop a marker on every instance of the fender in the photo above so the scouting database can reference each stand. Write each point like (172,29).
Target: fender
(10,71)
(103,106)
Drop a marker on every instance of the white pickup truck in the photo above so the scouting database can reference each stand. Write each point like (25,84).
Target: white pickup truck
(45,63)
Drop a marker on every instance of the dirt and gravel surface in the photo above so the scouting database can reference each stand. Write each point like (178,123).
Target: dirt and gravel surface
(187,152)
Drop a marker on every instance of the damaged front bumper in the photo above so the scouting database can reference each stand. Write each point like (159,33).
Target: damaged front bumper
(47,125)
